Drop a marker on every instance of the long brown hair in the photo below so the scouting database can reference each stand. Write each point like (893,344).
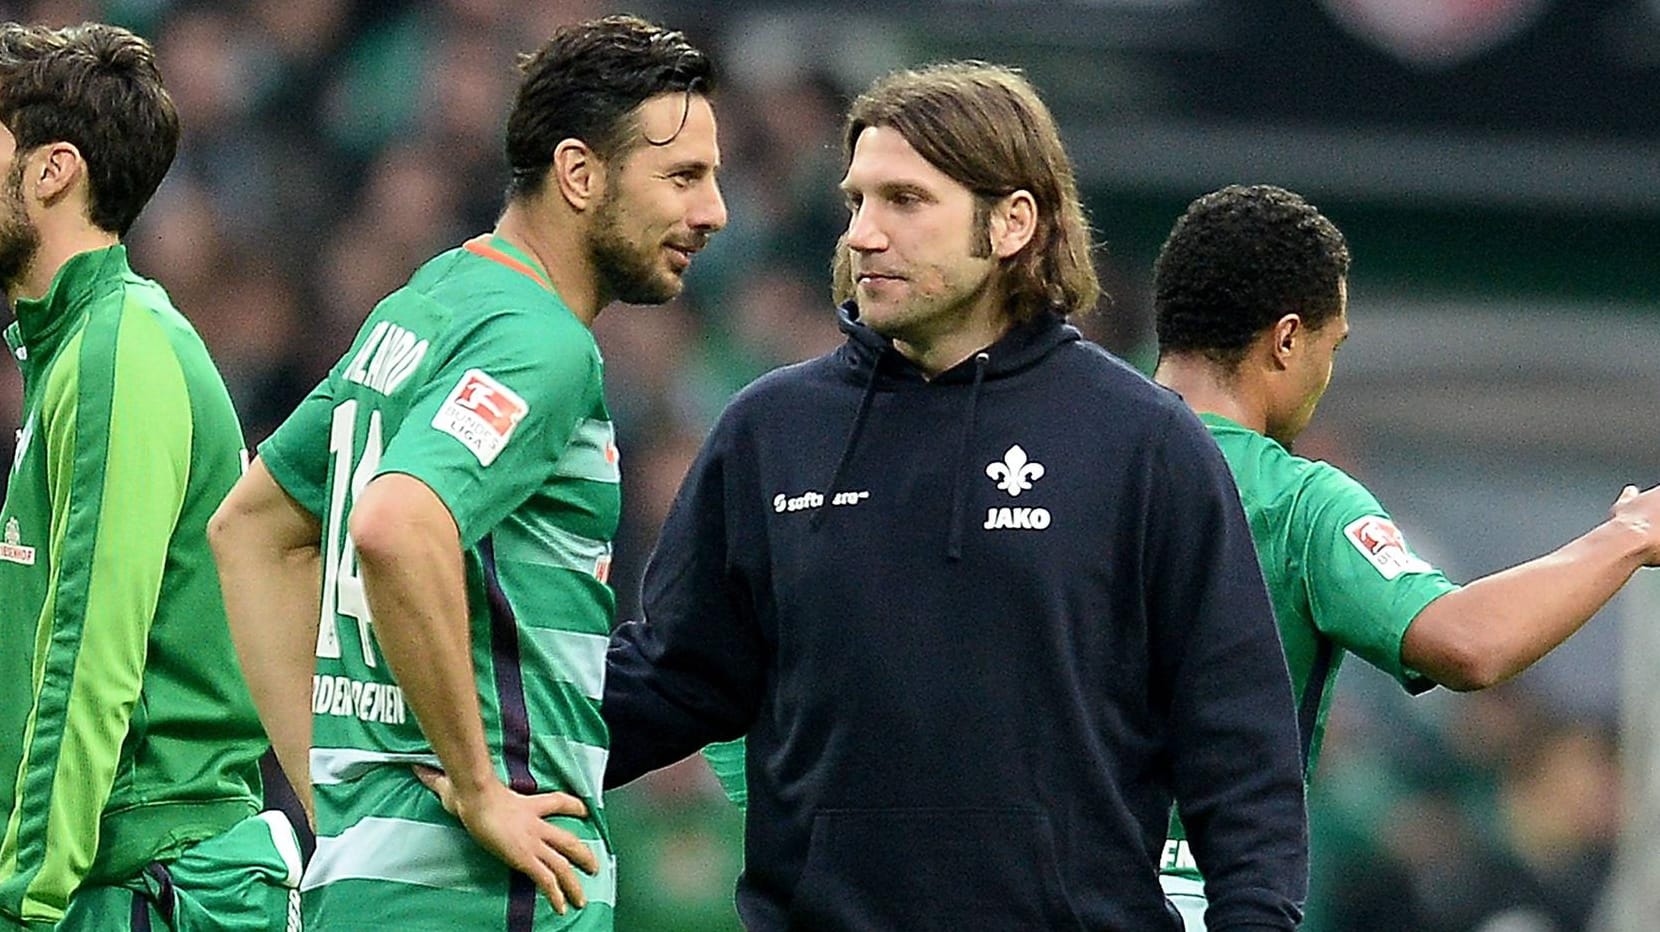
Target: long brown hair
(985,126)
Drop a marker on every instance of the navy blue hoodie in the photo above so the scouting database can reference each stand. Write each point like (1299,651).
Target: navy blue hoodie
(978,629)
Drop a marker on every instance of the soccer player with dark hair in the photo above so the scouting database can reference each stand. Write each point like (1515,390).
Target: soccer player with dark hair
(129,747)
(981,596)
(1251,292)
(453,485)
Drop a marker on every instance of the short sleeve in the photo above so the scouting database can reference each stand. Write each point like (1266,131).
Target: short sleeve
(487,425)
(1365,585)
(294,456)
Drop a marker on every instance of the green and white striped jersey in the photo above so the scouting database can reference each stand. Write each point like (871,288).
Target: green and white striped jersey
(477,380)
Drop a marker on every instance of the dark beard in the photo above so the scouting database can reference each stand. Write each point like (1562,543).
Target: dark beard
(627,272)
(19,240)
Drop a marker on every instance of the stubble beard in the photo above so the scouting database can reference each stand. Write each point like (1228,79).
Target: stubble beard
(627,271)
(19,238)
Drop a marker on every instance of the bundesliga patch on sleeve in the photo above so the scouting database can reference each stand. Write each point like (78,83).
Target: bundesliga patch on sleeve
(481,413)
(1381,543)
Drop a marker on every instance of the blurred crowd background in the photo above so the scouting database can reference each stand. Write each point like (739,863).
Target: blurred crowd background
(1493,162)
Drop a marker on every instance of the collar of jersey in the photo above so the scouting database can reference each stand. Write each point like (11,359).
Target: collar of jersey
(83,278)
(1217,420)
(496,249)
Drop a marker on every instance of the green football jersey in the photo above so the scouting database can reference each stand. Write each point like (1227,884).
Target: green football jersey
(1339,572)
(477,380)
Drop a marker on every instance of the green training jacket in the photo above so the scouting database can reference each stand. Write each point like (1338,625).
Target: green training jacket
(126,730)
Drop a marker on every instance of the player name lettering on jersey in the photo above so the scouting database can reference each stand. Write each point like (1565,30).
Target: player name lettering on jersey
(1177,856)
(368,702)
(387,359)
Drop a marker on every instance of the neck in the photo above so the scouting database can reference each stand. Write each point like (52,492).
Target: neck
(981,325)
(55,250)
(557,245)
(1209,389)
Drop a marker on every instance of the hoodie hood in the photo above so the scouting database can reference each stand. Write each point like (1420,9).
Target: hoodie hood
(870,358)
(862,356)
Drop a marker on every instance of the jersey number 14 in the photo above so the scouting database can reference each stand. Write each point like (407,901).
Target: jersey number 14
(342,587)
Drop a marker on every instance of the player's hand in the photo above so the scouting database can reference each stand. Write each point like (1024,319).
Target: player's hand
(1640,511)
(512,827)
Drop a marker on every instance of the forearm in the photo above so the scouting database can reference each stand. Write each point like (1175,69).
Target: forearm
(1499,625)
(663,703)
(272,604)
(268,553)
(414,581)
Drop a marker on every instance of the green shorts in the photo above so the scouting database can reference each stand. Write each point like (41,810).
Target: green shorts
(389,857)
(1188,896)
(245,879)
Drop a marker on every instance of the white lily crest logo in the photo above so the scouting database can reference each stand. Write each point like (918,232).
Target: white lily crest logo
(1015,474)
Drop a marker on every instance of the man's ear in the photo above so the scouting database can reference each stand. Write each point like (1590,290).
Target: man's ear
(1285,337)
(55,170)
(577,173)
(1012,224)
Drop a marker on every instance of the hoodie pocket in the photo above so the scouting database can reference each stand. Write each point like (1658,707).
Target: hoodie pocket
(931,869)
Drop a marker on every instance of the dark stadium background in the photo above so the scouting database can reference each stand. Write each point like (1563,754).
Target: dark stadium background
(1495,164)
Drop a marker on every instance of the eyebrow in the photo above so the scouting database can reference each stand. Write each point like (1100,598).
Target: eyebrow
(684,165)
(889,188)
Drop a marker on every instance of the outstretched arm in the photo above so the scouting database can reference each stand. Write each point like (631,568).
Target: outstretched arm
(1499,625)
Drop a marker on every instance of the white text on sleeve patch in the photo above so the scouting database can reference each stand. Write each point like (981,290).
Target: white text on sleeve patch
(1381,543)
(481,413)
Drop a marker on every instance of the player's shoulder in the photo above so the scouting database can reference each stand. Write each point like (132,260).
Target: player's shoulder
(464,302)
(157,334)
(1111,388)
(1323,492)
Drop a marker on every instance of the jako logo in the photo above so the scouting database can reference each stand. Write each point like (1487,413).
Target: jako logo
(1024,519)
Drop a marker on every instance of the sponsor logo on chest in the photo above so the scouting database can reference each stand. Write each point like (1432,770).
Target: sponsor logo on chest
(1015,473)
(811,499)
(12,550)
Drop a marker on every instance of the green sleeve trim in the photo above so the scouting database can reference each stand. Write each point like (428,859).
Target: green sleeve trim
(119,452)
(1353,602)
(296,455)
(726,759)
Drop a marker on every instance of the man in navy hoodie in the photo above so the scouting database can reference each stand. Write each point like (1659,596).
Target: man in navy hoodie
(982,597)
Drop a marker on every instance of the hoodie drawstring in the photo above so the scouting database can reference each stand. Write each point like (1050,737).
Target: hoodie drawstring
(852,441)
(954,546)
